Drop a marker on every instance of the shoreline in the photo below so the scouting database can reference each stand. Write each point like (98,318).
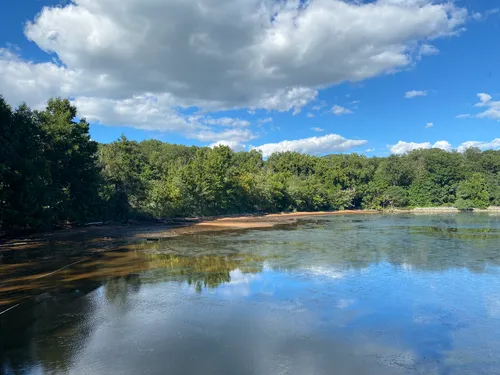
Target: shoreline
(438,210)
(101,237)
(243,222)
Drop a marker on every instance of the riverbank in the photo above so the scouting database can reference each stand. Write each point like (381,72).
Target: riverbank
(245,222)
(440,210)
(102,237)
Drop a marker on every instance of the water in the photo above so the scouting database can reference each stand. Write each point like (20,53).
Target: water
(354,294)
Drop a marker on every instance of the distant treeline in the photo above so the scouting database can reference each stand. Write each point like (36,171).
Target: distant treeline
(51,172)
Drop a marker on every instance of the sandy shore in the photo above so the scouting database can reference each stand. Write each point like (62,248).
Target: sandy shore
(245,222)
(106,237)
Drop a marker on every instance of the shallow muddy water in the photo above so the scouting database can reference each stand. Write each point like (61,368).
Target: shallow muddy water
(353,294)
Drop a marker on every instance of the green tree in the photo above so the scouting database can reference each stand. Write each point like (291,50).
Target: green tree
(71,162)
(23,178)
(395,196)
(209,182)
(473,193)
(122,168)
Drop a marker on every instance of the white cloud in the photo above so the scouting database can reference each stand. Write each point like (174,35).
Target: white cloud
(143,112)
(484,99)
(494,144)
(338,110)
(310,115)
(414,93)
(428,50)
(151,112)
(313,145)
(369,150)
(477,16)
(233,135)
(429,125)
(443,145)
(403,147)
(221,54)
(493,111)
(319,130)
(234,145)
(227,122)
(265,120)
(285,100)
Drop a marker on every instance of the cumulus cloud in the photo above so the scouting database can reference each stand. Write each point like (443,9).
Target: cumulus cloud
(221,54)
(443,145)
(234,145)
(285,100)
(429,125)
(143,112)
(484,99)
(403,147)
(494,145)
(313,145)
(338,110)
(232,134)
(414,93)
(151,112)
(319,130)
(369,150)
(493,111)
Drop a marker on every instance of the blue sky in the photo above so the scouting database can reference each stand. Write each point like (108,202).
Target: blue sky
(320,76)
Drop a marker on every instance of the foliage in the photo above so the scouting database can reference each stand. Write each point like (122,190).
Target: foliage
(473,193)
(395,196)
(51,172)
(48,167)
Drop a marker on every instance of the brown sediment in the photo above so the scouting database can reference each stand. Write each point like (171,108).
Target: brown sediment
(105,237)
(242,223)
(106,251)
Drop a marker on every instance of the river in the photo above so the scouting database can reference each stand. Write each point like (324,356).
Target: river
(346,294)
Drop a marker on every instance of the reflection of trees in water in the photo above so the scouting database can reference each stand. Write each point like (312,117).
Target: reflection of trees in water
(205,262)
(38,334)
(118,289)
(203,271)
(41,334)
(431,243)
(35,332)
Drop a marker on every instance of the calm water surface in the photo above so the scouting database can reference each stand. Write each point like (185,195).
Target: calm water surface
(350,294)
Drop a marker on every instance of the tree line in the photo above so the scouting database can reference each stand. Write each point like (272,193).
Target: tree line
(51,172)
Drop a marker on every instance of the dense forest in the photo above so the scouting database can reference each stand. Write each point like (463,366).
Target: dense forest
(51,172)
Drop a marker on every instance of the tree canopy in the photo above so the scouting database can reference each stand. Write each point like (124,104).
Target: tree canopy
(51,172)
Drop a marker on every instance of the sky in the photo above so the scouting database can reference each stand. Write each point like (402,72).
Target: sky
(376,77)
